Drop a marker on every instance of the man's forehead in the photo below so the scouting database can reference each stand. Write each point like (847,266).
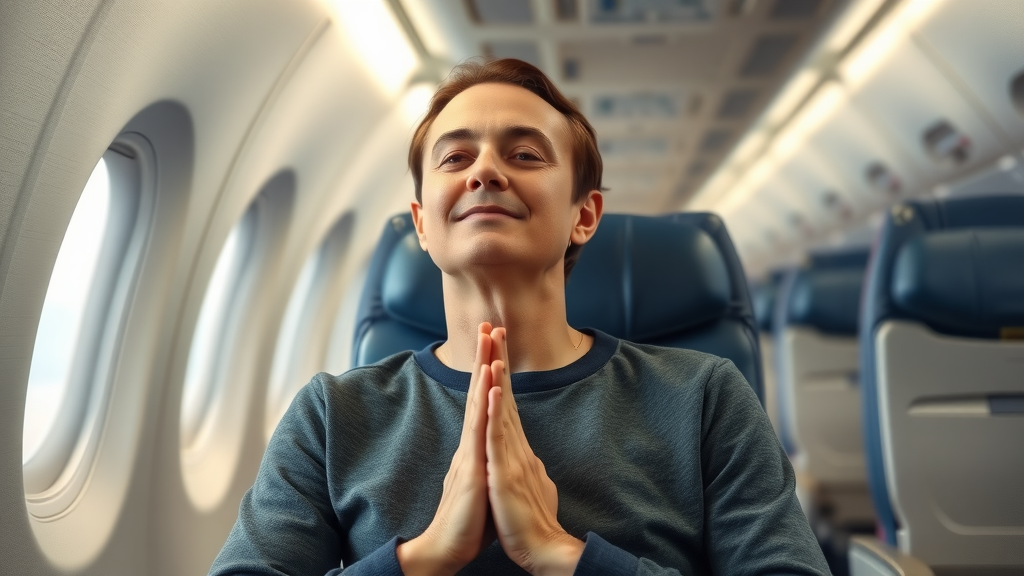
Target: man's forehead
(490,107)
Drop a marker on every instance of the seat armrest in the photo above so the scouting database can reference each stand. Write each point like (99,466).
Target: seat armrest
(871,557)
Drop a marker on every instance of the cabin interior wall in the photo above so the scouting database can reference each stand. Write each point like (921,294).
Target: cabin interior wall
(268,86)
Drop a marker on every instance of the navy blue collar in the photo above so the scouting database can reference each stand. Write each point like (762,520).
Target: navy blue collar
(603,349)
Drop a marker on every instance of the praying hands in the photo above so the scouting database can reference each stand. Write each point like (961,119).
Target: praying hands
(496,486)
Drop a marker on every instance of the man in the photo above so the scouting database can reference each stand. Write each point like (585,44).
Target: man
(520,443)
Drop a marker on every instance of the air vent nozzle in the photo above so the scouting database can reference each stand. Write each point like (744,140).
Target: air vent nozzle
(883,180)
(834,203)
(798,222)
(946,144)
(1017,92)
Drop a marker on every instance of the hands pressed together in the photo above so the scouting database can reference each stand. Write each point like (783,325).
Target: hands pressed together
(496,486)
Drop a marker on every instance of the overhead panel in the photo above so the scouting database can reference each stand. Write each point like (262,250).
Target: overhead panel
(917,108)
(821,186)
(639,11)
(501,11)
(643,147)
(851,146)
(794,9)
(714,140)
(667,84)
(767,55)
(616,63)
(979,45)
(737,103)
(522,50)
(635,106)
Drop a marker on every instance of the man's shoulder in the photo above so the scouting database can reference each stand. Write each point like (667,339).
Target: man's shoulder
(666,356)
(380,376)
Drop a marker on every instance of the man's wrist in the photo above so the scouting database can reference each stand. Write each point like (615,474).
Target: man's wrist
(559,557)
(419,557)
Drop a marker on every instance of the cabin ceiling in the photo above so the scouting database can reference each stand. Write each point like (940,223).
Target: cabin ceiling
(669,85)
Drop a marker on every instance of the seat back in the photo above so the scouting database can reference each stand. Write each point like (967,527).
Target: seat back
(817,353)
(942,380)
(763,296)
(670,280)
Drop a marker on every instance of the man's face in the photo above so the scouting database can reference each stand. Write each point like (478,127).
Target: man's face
(497,182)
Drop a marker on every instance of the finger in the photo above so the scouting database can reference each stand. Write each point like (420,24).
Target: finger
(478,419)
(499,348)
(502,378)
(497,454)
(500,337)
(483,357)
(515,439)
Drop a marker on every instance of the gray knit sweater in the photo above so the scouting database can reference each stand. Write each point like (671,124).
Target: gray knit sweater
(665,463)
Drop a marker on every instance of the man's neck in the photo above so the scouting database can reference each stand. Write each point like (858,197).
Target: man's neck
(531,308)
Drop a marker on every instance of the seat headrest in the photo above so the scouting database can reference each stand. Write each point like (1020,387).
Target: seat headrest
(846,258)
(662,280)
(655,275)
(826,294)
(967,282)
(763,296)
(411,289)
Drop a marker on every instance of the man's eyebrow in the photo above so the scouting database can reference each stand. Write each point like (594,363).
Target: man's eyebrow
(513,132)
(454,135)
(507,133)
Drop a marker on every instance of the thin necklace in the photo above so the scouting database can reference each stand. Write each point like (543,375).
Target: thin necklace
(577,346)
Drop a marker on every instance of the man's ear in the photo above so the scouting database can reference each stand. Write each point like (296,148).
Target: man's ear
(587,218)
(417,221)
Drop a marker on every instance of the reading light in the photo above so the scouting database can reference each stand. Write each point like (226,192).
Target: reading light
(748,184)
(822,107)
(378,40)
(865,59)
(415,101)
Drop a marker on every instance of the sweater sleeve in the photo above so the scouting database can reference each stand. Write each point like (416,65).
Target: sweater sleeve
(286,522)
(600,558)
(753,522)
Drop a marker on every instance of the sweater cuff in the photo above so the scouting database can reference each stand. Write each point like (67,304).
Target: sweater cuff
(381,562)
(600,557)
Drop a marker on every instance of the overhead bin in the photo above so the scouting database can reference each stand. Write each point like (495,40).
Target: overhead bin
(916,107)
(858,152)
(978,44)
(824,189)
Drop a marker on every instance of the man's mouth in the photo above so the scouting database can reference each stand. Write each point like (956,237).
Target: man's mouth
(487,210)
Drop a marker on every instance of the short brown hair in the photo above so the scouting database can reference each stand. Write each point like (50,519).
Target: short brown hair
(587,164)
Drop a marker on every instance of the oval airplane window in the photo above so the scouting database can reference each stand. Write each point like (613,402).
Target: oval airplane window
(284,371)
(64,307)
(201,372)
(307,325)
(80,329)
(226,362)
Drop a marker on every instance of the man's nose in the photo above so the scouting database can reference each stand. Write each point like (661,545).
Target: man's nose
(487,175)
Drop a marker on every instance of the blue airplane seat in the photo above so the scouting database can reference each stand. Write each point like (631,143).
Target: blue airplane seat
(672,280)
(763,296)
(942,360)
(402,305)
(668,280)
(816,342)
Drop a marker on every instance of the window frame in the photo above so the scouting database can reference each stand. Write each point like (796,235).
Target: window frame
(300,346)
(57,473)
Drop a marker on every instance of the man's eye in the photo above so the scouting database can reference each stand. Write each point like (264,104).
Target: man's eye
(524,156)
(454,159)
